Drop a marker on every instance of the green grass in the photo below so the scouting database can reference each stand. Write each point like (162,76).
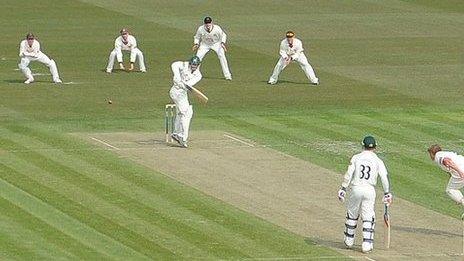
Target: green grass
(388,68)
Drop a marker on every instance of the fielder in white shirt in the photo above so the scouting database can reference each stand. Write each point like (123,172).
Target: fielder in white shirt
(126,42)
(211,37)
(29,51)
(185,75)
(453,164)
(291,49)
(361,176)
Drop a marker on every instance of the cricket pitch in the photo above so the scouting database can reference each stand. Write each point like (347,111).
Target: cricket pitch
(287,191)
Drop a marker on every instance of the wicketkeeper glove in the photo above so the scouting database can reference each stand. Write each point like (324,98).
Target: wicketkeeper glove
(342,194)
(388,198)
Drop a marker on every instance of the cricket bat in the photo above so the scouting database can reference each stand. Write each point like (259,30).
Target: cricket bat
(201,97)
(386,219)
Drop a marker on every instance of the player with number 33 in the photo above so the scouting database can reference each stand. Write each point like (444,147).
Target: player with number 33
(361,176)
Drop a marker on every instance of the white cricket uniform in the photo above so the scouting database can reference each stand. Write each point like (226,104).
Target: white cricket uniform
(32,53)
(295,52)
(130,46)
(455,182)
(183,77)
(362,174)
(212,41)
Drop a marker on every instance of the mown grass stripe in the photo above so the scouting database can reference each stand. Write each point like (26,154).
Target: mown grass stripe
(203,206)
(204,235)
(122,212)
(37,242)
(55,211)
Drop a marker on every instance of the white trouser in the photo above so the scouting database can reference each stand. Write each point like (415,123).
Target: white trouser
(302,61)
(361,202)
(217,47)
(42,58)
(184,112)
(134,54)
(453,189)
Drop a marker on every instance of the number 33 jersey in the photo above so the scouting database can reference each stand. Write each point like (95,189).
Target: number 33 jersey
(364,169)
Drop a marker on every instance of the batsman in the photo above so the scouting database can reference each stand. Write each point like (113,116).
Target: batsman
(361,177)
(185,76)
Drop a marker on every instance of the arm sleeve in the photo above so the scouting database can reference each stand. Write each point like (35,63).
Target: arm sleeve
(193,80)
(224,37)
(384,177)
(282,51)
(196,38)
(117,44)
(22,49)
(348,174)
(133,42)
(176,73)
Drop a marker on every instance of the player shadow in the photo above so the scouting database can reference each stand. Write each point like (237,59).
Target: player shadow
(325,242)
(121,71)
(16,81)
(425,231)
(292,82)
(13,81)
(213,78)
(280,82)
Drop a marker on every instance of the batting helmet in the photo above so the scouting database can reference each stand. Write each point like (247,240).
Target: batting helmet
(195,60)
(369,142)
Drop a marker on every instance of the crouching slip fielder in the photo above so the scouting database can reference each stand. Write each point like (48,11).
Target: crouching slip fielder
(362,175)
(211,37)
(452,163)
(29,51)
(291,49)
(126,42)
(186,75)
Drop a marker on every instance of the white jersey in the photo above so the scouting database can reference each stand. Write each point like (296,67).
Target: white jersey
(291,51)
(364,169)
(131,43)
(457,159)
(183,75)
(26,50)
(215,36)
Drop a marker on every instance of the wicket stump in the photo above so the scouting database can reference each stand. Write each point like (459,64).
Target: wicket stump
(169,119)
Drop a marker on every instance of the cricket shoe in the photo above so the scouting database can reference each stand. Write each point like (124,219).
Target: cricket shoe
(57,81)
(367,247)
(315,83)
(229,78)
(183,143)
(30,80)
(121,66)
(108,71)
(271,82)
(131,68)
(143,70)
(349,242)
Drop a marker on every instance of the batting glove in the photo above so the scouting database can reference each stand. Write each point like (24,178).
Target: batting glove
(342,194)
(388,199)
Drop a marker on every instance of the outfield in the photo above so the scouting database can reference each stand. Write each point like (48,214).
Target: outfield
(392,69)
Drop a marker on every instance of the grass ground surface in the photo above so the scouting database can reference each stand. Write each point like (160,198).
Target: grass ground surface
(388,68)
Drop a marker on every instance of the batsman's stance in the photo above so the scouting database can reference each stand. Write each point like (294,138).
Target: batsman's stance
(362,175)
(186,75)
(453,164)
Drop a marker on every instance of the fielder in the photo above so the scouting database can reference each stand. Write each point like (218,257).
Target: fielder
(29,51)
(291,49)
(186,75)
(453,164)
(362,175)
(125,42)
(211,37)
